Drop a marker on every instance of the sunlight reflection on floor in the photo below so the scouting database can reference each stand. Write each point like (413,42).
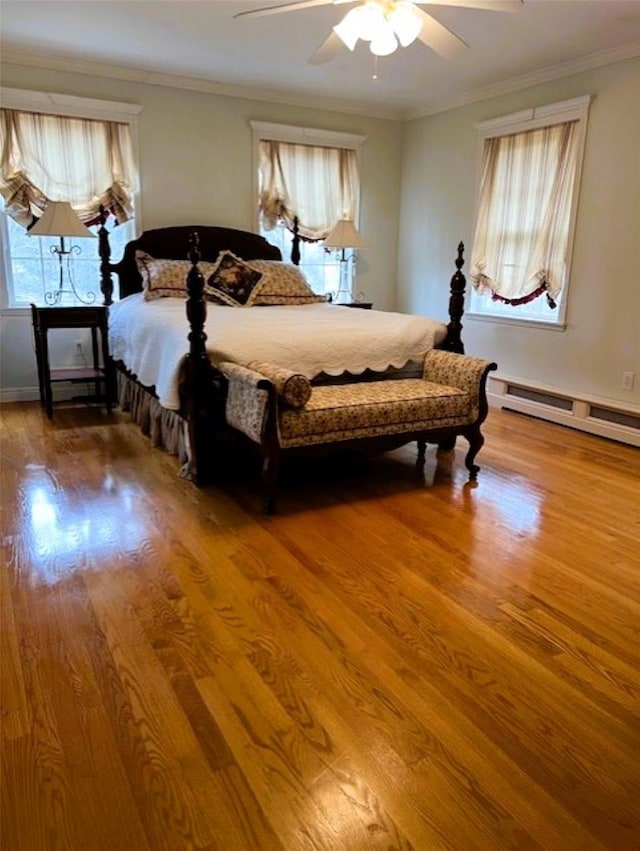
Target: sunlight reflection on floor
(512,519)
(62,533)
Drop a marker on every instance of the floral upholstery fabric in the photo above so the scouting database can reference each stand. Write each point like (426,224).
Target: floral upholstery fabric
(293,388)
(366,409)
(333,413)
(246,400)
(282,283)
(166,278)
(232,281)
(456,370)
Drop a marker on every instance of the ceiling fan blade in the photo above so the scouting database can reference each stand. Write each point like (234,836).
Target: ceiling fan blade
(490,5)
(327,51)
(439,38)
(282,7)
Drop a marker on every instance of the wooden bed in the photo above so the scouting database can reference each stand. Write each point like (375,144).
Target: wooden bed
(203,391)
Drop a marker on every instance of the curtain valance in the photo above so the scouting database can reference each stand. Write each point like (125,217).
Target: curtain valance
(316,184)
(522,233)
(86,162)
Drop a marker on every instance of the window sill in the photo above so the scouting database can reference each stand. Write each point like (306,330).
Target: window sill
(15,311)
(21,310)
(527,323)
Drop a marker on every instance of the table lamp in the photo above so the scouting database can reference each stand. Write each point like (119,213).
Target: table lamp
(60,220)
(343,235)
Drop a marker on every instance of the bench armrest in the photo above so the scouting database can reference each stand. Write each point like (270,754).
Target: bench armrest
(244,375)
(247,398)
(461,371)
(293,388)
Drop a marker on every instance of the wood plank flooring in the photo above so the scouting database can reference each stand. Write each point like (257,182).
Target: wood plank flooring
(392,661)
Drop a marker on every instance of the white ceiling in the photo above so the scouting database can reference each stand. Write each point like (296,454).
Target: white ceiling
(201,40)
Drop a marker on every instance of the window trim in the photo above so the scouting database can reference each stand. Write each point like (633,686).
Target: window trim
(533,118)
(53,103)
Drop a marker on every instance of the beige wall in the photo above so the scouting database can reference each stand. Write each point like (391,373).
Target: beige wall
(196,168)
(602,338)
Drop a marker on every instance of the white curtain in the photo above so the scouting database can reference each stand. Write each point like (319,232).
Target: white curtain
(84,161)
(318,185)
(522,234)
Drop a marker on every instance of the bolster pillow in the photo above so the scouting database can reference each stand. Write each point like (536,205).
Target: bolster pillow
(292,387)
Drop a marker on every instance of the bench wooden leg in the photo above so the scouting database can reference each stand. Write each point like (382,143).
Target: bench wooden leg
(270,469)
(476,440)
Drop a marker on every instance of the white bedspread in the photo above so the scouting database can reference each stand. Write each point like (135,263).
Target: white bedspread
(150,337)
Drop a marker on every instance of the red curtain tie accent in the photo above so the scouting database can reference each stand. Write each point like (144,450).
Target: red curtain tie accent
(514,302)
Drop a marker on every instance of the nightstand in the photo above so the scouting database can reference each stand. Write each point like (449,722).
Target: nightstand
(363,305)
(100,374)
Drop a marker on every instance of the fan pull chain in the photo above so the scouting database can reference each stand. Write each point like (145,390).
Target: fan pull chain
(374,76)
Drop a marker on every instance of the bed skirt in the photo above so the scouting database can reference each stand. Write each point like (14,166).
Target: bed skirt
(169,430)
(166,429)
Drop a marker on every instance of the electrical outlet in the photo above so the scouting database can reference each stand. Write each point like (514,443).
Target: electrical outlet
(627,380)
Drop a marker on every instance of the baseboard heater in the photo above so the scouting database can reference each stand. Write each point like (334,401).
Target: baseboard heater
(604,417)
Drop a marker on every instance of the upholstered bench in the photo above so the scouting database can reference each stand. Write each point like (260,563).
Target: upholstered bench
(281,411)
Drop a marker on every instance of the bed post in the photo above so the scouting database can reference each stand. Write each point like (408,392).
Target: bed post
(197,363)
(104,250)
(295,243)
(453,341)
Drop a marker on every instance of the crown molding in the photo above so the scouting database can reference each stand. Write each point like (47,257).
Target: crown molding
(58,62)
(631,50)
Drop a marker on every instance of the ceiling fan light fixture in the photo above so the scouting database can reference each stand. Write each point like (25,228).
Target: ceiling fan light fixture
(383,24)
(348,30)
(371,20)
(368,22)
(384,43)
(406,22)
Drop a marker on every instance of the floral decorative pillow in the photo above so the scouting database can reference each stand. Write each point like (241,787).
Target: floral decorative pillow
(166,278)
(232,281)
(282,283)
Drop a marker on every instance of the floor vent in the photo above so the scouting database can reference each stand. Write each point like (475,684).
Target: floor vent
(619,417)
(540,397)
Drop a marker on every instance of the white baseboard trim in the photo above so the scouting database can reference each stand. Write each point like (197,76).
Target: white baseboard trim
(32,394)
(600,416)
(19,394)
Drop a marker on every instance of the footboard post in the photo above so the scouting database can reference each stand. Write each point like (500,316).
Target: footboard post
(295,242)
(453,341)
(197,364)
(104,250)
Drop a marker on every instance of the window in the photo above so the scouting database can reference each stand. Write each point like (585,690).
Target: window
(31,269)
(528,194)
(62,148)
(311,175)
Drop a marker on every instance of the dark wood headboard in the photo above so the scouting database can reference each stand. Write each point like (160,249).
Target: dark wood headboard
(172,243)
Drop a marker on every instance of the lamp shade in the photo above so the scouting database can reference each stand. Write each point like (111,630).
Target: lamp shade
(344,235)
(59,220)
(406,22)
(384,43)
(348,30)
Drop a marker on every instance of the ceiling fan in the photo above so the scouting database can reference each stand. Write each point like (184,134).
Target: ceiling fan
(387,24)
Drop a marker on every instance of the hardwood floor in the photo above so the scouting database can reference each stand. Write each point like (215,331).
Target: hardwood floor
(391,661)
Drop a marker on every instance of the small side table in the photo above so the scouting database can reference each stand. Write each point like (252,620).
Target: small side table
(100,373)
